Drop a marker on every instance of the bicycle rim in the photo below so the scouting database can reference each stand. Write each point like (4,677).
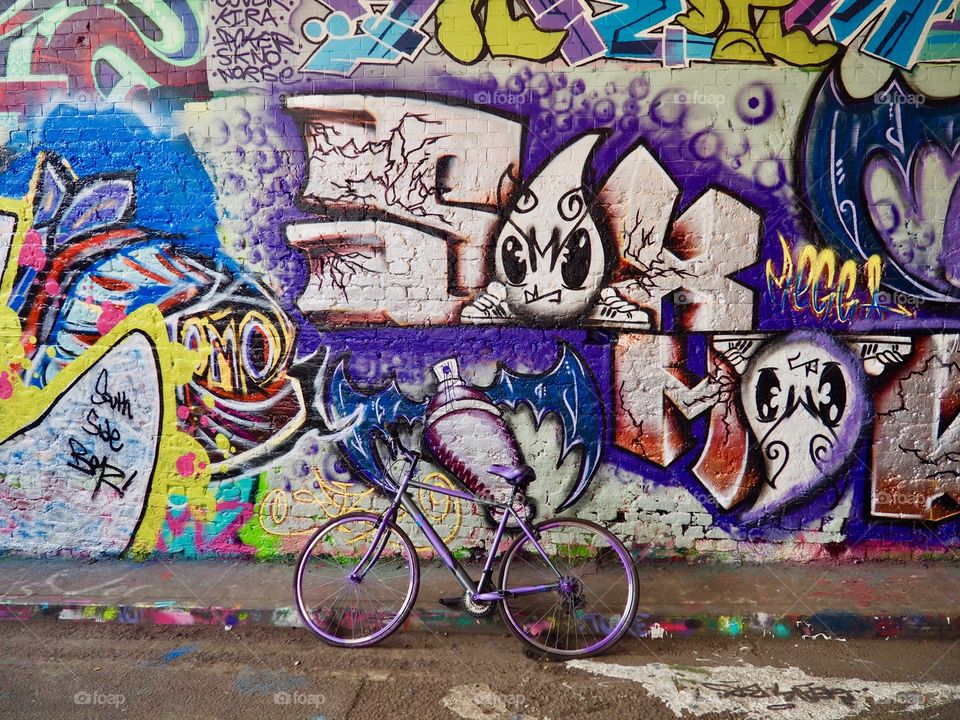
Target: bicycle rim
(596,600)
(344,612)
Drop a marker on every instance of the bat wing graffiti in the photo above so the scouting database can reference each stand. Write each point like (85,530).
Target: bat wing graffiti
(567,390)
(370,415)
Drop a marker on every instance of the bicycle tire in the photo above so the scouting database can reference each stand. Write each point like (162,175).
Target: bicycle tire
(308,612)
(529,634)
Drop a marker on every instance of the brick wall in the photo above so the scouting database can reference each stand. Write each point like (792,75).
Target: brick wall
(701,277)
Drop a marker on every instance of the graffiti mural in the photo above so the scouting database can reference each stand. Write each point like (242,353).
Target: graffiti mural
(692,264)
(281,42)
(462,425)
(107,463)
(48,45)
(82,270)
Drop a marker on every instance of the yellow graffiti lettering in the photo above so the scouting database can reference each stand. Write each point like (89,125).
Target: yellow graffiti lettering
(753,31)
(779,279)
(261,368)
(330,499)
(232,354)
(817,282)
(846,289)
(816,272)
(464,32)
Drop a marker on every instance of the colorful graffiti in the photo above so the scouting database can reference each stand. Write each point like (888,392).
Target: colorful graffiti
(804,33)
(108,49)
(692,264)
(463,426)
(117,50)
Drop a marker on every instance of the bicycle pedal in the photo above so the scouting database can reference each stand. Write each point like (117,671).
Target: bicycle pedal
(452,602)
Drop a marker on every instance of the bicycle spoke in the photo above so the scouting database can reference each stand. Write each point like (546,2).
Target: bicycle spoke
(356,611)
(596,599)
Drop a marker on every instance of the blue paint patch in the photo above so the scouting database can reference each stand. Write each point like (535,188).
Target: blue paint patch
(169,175)
(252,681)
(178,653)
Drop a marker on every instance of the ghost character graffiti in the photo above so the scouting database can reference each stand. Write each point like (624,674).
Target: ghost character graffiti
(552,253)
(803,399)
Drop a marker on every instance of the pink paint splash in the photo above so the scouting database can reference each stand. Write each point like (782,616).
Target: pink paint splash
(31,252)
(51,287)
(110,316)
(183,412)
(185,464)
(8,523)
(6,387)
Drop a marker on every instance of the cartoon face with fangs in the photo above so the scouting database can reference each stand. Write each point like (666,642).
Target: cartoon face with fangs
(550,251)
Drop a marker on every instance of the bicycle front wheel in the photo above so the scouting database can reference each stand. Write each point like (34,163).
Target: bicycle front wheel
(592,595)
(350,611)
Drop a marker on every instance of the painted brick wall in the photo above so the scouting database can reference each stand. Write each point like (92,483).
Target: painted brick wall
(695,264)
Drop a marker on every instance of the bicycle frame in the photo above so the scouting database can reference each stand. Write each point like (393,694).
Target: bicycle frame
(477,590)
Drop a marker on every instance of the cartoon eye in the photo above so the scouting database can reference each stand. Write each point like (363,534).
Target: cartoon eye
(571,205)
(526,202)
(832,400)
(768,395)
(514,264)
(576,260)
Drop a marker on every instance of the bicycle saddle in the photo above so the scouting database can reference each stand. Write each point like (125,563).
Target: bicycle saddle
(514,475)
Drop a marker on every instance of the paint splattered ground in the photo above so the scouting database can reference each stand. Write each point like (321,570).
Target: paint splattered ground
(66,670)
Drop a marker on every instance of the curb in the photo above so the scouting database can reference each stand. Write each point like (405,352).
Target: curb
(828,625)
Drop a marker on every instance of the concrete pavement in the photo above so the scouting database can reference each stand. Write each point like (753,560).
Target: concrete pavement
(75,671)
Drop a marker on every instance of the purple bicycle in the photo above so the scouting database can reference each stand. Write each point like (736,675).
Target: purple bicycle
(567,587)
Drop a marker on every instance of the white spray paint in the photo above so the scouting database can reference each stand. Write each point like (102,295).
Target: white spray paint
(758,693)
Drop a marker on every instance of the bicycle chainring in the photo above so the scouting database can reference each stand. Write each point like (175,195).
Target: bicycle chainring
(478,609)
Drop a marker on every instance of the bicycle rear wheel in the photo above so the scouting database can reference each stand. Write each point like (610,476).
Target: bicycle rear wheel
(356,612)
(593,600)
